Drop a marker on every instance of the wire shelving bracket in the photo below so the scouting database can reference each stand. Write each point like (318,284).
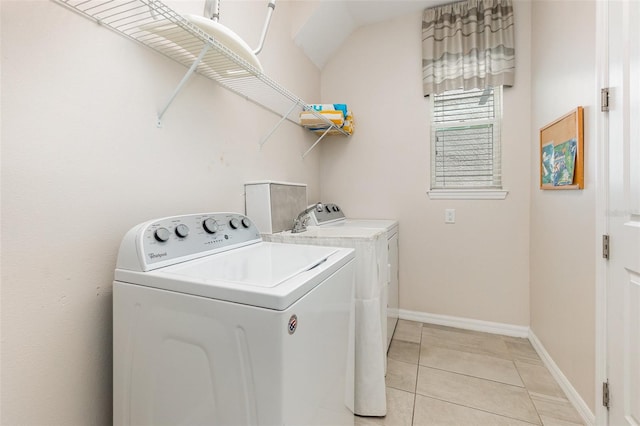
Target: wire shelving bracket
(184,80)
(155,25)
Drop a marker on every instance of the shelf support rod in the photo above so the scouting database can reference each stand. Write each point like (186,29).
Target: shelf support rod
(284,117)
(182,83)
(316,142)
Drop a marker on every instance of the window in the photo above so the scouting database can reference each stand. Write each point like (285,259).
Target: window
(465,139)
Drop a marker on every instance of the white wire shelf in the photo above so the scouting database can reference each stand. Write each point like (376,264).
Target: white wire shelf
(155,25)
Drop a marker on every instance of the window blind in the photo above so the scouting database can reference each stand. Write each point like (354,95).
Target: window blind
(466,139)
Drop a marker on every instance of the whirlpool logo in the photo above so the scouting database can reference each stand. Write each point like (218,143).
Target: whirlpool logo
(157,255)
(293,324)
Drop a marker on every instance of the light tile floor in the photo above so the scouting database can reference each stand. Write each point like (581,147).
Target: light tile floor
(447,376)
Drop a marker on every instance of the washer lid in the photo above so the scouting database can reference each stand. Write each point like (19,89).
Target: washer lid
(268,275)
(261,265)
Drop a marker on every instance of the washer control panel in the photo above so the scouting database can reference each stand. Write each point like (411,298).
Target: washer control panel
(175,239)
(330,213)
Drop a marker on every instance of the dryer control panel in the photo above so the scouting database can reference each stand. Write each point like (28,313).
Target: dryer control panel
(329,214)
(171,240)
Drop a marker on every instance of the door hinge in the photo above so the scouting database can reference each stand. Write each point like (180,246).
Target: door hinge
(605,394)
(605,246)
(604,99)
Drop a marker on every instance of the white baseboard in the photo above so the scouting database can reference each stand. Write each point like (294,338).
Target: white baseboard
(466,323)
(515,331)
(572,395)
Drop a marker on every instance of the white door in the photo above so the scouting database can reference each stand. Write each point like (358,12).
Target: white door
(623,214)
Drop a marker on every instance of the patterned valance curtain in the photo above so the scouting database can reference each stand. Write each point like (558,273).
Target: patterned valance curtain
(467,45)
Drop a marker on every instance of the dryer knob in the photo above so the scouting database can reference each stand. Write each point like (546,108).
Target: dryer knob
(234,223)
(162,235)
(182,230)
(335,208)
(328,209)
(246,222)
(210,226)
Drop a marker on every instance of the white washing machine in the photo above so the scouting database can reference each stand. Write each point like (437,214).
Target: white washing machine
(214,326)
(370,322)
(332,215)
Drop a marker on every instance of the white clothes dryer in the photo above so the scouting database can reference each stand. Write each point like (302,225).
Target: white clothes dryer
(214,326)
(332,215)
(370,322)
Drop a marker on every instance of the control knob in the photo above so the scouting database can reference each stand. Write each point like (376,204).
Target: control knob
(234,223)
(210,226)
(182,230)
(246,222)
(162,235)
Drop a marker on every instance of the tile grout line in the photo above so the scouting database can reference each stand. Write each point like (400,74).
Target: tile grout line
(468,348)
(474,377)
(415,387)
(470,374)
(479,409)
(525,385)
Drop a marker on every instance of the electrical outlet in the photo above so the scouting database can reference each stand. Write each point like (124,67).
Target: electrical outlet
(450,216)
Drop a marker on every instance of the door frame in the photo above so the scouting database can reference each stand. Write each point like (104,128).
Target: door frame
(601,205)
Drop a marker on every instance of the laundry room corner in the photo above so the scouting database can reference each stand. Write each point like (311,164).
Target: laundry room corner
(563,255)
(476,268)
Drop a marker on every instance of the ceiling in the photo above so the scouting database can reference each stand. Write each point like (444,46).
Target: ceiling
(332,21)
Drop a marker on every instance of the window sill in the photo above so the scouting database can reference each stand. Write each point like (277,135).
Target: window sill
(467,194)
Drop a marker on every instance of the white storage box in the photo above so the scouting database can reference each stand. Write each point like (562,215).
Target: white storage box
(273,206)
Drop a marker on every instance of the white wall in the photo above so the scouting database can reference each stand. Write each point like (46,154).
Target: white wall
(476,268)
(563,222)
(83,161)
